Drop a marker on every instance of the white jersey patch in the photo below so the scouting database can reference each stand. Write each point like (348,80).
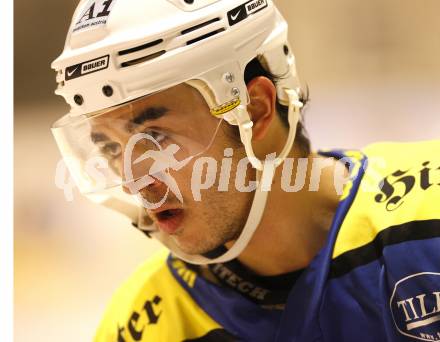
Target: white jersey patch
(95,14)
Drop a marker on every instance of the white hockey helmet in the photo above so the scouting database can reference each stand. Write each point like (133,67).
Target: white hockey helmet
(119,52)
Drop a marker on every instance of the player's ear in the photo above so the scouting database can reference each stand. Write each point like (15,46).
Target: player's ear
(262,108)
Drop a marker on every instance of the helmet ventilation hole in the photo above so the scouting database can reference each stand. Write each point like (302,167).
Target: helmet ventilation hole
(107,90)
(78,99)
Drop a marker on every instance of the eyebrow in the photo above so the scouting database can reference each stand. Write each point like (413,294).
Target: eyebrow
(147,114)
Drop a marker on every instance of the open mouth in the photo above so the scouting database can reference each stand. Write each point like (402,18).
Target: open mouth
(169,220)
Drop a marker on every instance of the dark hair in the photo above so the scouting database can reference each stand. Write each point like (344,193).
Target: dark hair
(256,69)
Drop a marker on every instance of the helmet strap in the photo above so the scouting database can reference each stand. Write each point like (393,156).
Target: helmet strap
(265,175)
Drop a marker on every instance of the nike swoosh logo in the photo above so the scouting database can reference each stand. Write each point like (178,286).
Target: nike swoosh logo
(70,73)
(234,17)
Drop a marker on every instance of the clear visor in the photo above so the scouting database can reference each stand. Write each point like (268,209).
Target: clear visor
(136,143)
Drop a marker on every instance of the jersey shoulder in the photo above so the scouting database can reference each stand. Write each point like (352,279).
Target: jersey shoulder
(149,302)
(396,199)
(381,258)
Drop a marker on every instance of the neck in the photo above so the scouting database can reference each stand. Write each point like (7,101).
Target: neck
(295,225)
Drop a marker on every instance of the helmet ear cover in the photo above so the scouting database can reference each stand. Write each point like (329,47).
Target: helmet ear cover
(283,67)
